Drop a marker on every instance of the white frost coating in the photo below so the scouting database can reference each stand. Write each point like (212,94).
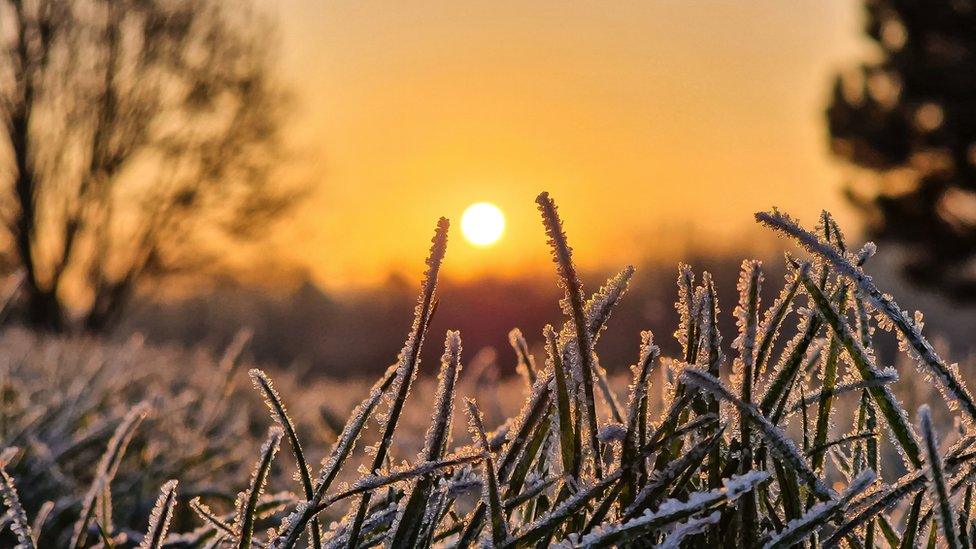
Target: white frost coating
(867,252)
(674,510)
(526,362)
(18,518)
(951,384)
(601,304)
(438,437)
(159,518)
(108,466)
(818,515)
(690,528)
(611,432)
(779,443)
(685,306)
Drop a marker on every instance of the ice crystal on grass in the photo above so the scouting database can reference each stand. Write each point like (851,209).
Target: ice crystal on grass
(160,517)
(15,511)
(693,462)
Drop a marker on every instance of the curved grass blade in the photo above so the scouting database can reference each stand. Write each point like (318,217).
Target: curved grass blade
(160,517)
(777,441)
(248,501)
(547,524)
(887,402)
(909,329)
(108,466)
(407,364)
(664,480)
(293,526)
(671,511)
(526,363)
(490,491)
(573,306)
(18,518)
(819,515)
(279,413)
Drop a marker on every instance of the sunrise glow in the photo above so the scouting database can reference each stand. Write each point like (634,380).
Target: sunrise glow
(482,224)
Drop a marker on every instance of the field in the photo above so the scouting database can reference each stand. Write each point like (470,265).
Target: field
(786,433)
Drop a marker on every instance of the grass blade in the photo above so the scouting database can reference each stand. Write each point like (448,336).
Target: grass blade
(409,520)
(279,413)
(18,518)
(948,375)
(946,514)
(573,306)
(407,363)
(248,501)
(778,442)
(490,493)
(107,468)
(893,411)
(160,517)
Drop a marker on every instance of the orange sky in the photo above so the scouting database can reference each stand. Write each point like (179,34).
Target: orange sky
(655,124)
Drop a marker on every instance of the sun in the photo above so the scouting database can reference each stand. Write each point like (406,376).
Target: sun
(482,224)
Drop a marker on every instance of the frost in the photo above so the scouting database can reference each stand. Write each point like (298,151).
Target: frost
(690,528)
(672,510)
(818,515)
(950,383)
(18,518)
(159,518)
(598,307)
(779,443)
(611,432)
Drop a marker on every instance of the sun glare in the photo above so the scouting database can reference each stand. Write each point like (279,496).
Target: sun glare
(482,224)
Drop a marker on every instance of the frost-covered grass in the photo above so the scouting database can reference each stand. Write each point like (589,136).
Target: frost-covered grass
(776,440)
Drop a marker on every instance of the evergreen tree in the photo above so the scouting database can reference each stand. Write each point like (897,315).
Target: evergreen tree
(908,114)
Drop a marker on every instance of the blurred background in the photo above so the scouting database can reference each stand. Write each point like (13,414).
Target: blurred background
(188,169)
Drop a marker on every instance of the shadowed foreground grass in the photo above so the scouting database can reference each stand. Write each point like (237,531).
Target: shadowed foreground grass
(776,440)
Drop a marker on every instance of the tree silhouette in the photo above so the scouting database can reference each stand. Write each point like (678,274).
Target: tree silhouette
(138,139)
(909,115)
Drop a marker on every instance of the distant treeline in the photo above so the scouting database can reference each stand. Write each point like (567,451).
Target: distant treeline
(350,335)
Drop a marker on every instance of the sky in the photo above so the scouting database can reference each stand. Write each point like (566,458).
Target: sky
(657,126)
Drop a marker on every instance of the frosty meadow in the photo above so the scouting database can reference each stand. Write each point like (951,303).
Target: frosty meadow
(779,443)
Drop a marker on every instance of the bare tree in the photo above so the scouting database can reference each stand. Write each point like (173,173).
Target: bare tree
(139,138)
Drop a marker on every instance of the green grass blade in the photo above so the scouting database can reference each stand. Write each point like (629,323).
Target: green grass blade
(574,308)
(910,533)
(570,460)
(911,333)
(776,440)
(893,411)
(407,364)
(490,493)
(409,520)
(947,515)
